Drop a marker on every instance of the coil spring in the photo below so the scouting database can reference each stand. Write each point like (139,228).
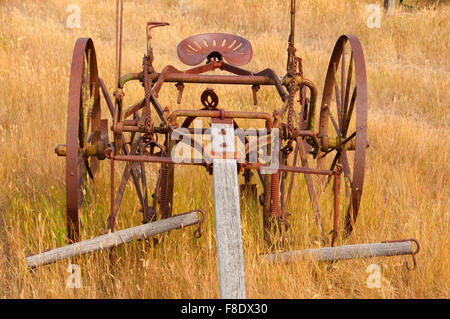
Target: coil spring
(292,85)
(164,209)
(147,85)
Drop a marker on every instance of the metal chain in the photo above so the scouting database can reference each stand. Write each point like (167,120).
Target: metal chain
(147,85)
(293,74)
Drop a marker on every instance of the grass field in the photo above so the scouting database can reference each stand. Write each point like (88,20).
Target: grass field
(406,191)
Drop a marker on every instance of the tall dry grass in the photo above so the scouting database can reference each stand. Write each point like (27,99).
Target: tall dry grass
(407,175)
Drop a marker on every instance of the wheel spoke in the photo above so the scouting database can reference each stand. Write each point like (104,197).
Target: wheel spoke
(348,139)
(88,123)
(283,178)
(145,192)
(81,179)
(119,196)
(309,183)
(88,100)
(88,69)
(92,136)
(88,103)
(345,164)
(94,164)
(291,181)
(107,97)
(88,167)
(338,103)
(333,164)
(336,128)
(82,124)
(341,157)
(350,112)
(347,88)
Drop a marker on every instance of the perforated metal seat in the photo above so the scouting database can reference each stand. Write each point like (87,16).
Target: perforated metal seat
(232,48)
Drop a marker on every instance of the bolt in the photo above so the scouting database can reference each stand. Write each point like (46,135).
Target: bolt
(224,144)
(223,131)
(61,149)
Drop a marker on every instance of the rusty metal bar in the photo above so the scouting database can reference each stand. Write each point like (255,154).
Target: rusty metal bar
(291,169)
(312,104)
(203,78)
(258,166)
(223,114)
(216,79)
(111,208)
(130,77)
(336,209)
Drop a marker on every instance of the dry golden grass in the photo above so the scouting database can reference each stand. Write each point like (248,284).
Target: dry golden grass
(407,176)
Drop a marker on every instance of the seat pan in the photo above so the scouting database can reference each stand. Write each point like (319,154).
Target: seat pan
(234,49)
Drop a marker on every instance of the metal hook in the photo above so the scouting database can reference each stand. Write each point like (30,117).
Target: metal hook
(413,253)
(150,26)
(198,232)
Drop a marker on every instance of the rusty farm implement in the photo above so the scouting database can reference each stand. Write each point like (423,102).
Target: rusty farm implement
(148,132)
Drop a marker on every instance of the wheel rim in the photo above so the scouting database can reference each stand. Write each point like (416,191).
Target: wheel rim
(83,128)
(345,94)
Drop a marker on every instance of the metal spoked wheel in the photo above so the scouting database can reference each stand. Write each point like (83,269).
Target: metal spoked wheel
(83,130)
(343,123)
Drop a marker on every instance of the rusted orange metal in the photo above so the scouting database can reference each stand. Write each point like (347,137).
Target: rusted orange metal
(142,135)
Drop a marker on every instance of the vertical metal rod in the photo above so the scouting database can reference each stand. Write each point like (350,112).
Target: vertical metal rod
(120,38)
(119,20)
(117,44)
(147,216)
(291,46)
(275,195)
(336,207)
(283,177)
(267,223)
(163,209)
(292,35)
(170,177)
(112,189)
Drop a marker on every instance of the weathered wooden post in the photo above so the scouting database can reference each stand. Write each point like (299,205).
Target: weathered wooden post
(394,248)
(389,5)
(113,239)
(230,255)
